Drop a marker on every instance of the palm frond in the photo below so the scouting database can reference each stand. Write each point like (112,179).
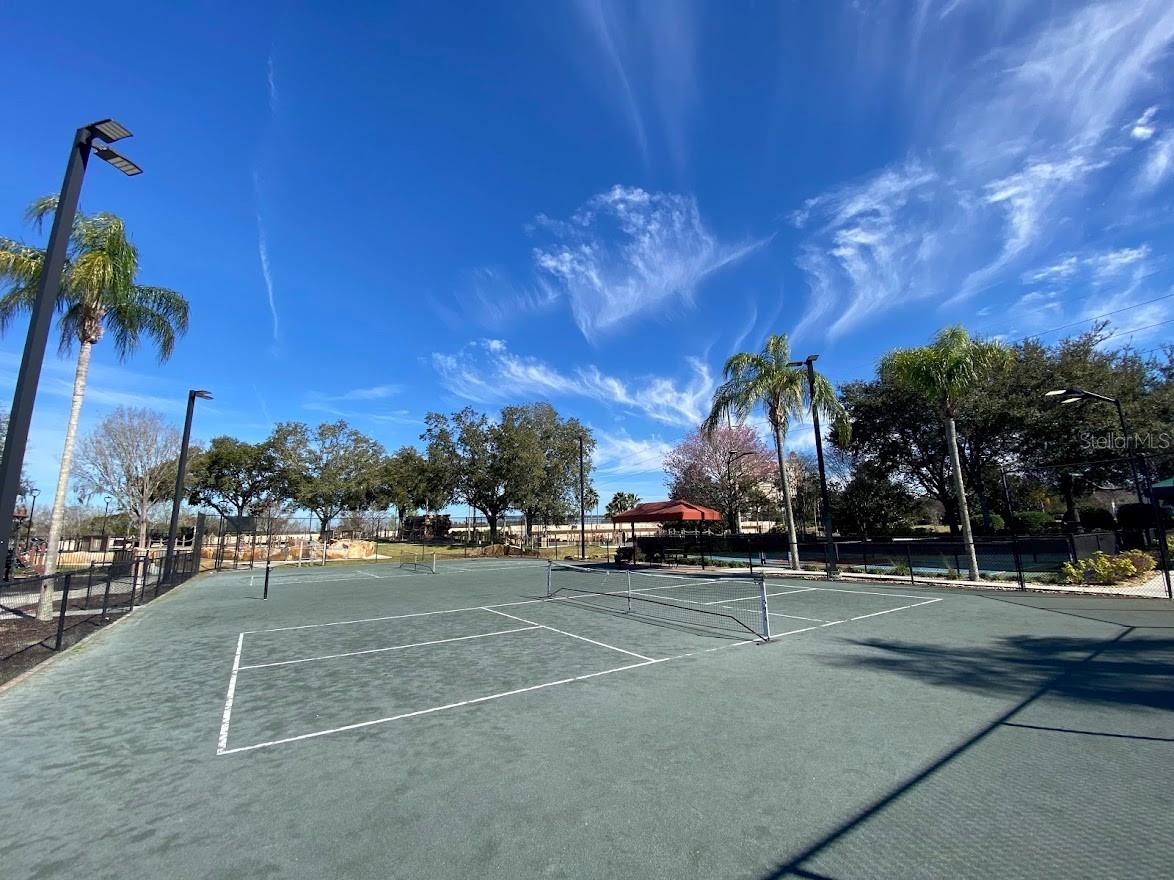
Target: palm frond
(155,312)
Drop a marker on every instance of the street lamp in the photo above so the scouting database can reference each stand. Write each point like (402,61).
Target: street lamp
(105,132)
(1076,395)
(28,544)
(823,482)
(179,478)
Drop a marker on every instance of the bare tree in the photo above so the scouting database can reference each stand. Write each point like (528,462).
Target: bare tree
(130,455)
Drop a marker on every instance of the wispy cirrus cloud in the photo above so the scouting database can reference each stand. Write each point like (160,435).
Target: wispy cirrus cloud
(618,454)
(487,372)
(263,256)
(649,51)
(627,251)
(271,81)
(1015,137)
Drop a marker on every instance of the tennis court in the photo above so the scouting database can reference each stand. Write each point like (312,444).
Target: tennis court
(499,718)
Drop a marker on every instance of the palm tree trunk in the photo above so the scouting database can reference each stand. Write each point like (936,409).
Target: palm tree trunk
(57,516)
(960,492)
(786,484)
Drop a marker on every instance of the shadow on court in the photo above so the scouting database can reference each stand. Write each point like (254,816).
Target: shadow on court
(1060,784)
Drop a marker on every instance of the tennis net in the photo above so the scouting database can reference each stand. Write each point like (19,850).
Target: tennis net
(735,604)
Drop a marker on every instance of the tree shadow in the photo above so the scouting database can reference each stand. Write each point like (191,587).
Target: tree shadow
(1136,672)
(1115,671)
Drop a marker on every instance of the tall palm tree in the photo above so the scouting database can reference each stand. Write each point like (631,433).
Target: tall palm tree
(766,379)
(98,295)
(943,372)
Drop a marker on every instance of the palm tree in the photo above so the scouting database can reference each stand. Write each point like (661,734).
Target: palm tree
(943,372)
(766,379)
(98,295)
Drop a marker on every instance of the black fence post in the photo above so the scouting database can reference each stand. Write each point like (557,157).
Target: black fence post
(134,580)
(909,562)
(158,577)
(106,595)
(1019,575)
(61,615)
(89,584)
(265,595)
(865,545)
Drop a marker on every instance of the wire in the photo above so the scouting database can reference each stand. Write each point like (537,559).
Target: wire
(1098,317)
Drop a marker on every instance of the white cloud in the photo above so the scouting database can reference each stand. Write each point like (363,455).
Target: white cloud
(1058,271)
(628,251)
(487,372)
(1012,139)
(619,453)
(650,50)
(376,392)
(263,254)
(1112,263)
(1143,129)
(271,79)
(1159,162)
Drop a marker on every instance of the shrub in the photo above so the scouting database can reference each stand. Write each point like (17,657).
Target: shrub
(1100,568)
(1034,522)
(1141,560)
(979,528)
(1097,518)
(900,566)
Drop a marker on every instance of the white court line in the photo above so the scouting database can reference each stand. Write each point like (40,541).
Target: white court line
(224,719)
(891,610)
(499,632)
(755,598)
(867,593)
(565,633)
(276,742)
(394,616)
(223,750)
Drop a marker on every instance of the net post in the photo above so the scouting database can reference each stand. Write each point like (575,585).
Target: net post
(629,593)
(265,594)
(434,563)
(761,582)
(549,579)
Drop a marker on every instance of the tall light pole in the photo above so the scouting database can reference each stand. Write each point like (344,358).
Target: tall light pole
(1076,395)
(179,478)
(105,132)
(105,516)
(582,505)
(830,550)
(32,513)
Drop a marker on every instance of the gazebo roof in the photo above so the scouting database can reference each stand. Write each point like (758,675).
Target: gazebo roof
(668,511)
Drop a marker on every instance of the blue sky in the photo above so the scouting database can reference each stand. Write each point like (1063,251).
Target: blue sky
(379,209)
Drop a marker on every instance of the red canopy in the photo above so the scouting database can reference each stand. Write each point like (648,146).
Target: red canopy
(668,511)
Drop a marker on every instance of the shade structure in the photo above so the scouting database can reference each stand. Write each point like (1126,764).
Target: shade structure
(668,511)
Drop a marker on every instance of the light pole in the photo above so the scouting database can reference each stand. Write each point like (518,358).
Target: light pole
(582,505)
(179,479)
(105,516)
(823,482)
(1076,395)
(105,131)
(32,513)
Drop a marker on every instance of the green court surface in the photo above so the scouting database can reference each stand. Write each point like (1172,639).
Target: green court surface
(378,721)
